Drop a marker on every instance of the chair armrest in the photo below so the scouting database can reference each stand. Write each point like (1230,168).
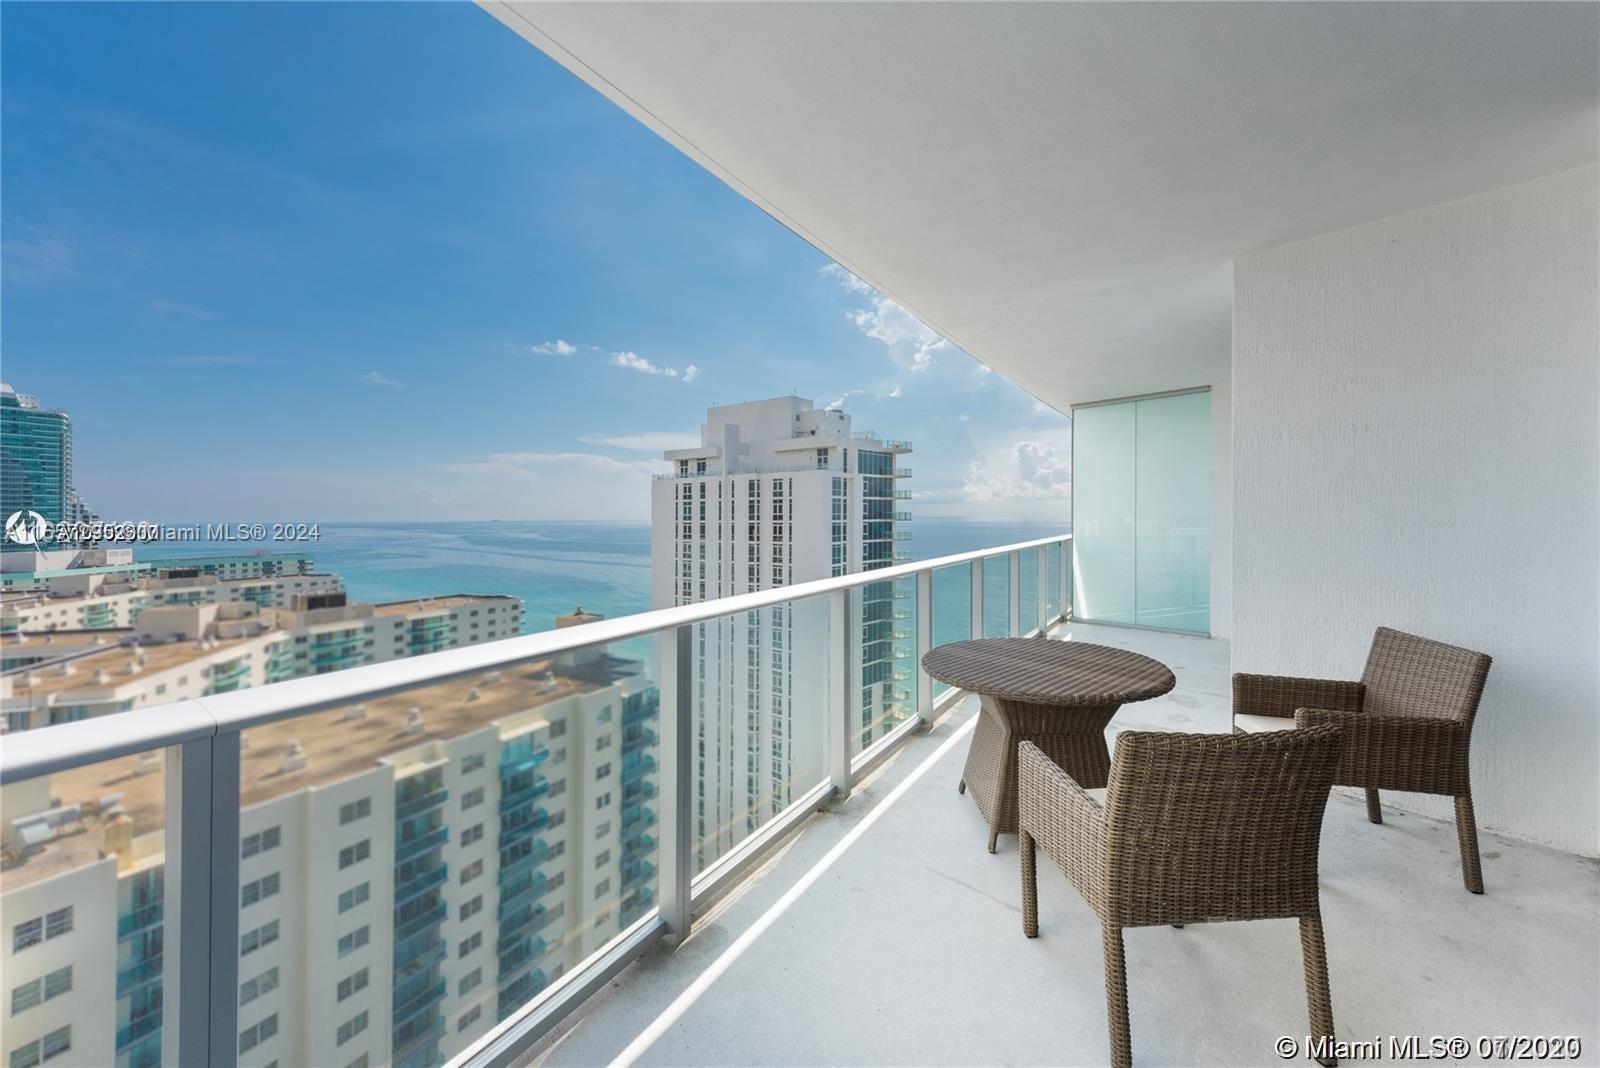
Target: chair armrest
(1063,820)
(1396,751)
(1280,695)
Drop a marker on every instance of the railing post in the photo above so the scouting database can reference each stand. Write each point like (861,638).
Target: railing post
(1066,577)
(677,780)
(1041,600)
(923,644)
(839,674)
(1014,602)
(203,855)
(976,568)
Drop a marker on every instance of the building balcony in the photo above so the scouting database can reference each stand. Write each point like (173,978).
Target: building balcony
(882,812)
(413,847)
(415,806)
(140,919)
(1212,994)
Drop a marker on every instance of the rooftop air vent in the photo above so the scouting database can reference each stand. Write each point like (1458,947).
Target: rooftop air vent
(294,758)
(413,724)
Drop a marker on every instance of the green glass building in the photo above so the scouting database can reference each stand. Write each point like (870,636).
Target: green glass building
(35,459)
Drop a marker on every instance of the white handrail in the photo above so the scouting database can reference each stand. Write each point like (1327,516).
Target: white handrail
(45,750)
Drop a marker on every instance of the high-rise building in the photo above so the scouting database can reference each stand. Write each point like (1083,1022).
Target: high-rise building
(36,461)
(777,492)
(412,868)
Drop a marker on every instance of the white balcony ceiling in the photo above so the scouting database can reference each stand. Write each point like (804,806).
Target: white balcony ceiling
(1060,188)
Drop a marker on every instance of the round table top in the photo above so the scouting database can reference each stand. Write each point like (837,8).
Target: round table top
(1049,672)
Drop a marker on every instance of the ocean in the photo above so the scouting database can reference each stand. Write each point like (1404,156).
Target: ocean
(555,567)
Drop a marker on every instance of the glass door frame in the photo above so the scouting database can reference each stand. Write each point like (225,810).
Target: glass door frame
(1069,549)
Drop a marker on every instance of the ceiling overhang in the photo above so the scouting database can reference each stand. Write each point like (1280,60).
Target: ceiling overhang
(1061,189)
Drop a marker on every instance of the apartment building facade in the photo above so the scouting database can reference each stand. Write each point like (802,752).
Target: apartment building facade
(411,870)
(777,492)
(191,649)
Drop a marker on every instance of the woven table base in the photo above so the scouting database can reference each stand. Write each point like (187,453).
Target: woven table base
(1073,736)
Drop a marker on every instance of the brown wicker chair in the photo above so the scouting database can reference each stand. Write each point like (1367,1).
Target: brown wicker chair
(1408,723)
(1194,828)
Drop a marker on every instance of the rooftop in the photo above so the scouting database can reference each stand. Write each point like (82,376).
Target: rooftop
(334,747)
(431,604)
(78,673)
(909,938)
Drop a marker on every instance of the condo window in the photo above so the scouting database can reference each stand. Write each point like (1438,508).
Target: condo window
(471,762)
(355,854)
(352,1027)
(354,896)
(57,1041)
(26,995)
(265,983)
(468,981)
(351,985)
(56,923)
(58,982)
(353,941)
(469,1017)
(355,810)
(26,934)
(251,844)
(25,1056)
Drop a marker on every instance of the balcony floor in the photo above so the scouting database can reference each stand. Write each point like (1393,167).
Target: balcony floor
(908,947)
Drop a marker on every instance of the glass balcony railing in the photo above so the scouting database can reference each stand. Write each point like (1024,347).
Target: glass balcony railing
(559,787)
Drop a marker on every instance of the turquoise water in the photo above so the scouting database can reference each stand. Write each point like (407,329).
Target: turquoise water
(604,567)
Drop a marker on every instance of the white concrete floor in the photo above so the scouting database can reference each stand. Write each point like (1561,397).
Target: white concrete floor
(908,949)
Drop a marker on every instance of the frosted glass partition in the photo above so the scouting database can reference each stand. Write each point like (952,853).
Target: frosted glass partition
(1102,512)
(1142,512)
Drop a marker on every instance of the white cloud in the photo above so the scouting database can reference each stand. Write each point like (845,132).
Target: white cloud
(550,485)
(646,441)
(621,358)
(633,361)
(378,379)
(909,342)
(1028,470)
(838,402)
(896,391)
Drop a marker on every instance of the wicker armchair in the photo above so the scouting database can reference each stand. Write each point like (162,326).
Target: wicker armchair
(1408,723)
(1193,828)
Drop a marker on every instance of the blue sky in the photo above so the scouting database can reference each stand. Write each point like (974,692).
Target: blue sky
(327,262)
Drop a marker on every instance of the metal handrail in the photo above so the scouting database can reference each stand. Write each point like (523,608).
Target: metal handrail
(61,747)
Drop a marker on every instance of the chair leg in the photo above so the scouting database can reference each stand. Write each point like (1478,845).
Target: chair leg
(994,836)
(962,788)
(1374,813)
(1319,1001)
(1467,832)
(1117,997)
(1030,885)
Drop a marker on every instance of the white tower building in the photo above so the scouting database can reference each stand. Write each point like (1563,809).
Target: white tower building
(778,492)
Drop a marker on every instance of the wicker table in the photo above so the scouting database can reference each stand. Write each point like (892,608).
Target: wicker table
(1058,695)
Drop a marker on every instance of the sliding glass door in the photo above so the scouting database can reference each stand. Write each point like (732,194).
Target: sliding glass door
(1141,512)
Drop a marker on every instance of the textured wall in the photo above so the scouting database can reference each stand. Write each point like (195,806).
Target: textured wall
(1415,412)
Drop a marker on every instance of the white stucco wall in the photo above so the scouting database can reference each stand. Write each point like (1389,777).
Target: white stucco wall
(1415,411)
